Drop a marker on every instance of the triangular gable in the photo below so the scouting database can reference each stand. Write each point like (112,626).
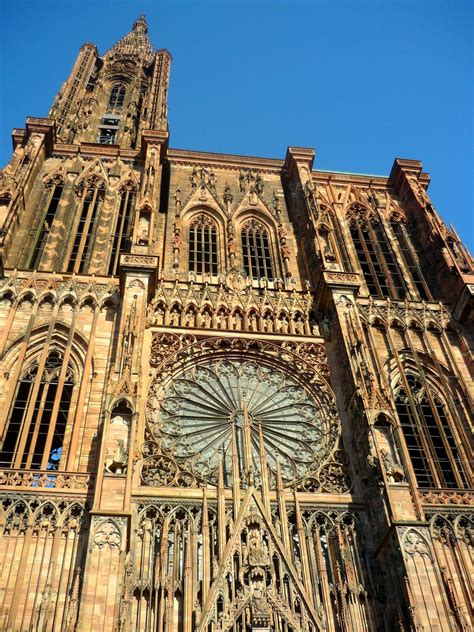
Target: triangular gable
(251,511)
(128,181)
(202,196)
(252,201)
(93,171)
(57,175)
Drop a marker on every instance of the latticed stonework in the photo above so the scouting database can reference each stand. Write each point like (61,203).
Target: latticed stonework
(235,392)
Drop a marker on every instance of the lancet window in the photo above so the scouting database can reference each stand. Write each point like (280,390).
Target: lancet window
(122,235)
(92,198)
(375,255)
(203,257)
(429,437)
(34,432)
(54,192)
(404,242)
(117,97)
(256,251)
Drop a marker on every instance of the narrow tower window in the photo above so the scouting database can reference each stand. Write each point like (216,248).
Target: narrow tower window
(117,96)
(121,237)
(376,258)
(403,239)
(54,195)
(91,200)
(203,246)
(35,428)
(256,251)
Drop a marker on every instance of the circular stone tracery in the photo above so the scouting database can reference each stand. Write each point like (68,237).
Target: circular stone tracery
(221,407)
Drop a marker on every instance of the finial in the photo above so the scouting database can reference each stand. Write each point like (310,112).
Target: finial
(141,24)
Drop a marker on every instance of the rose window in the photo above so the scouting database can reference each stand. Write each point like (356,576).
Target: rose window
(236,410)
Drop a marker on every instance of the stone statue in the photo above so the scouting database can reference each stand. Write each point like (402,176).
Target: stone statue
(174,317)
(395,473)
(117,462)
(283,324)
(268,324)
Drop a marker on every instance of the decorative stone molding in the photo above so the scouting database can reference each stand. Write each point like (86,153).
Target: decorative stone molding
(59,287)
(432,316)
(447,497)
(226,307)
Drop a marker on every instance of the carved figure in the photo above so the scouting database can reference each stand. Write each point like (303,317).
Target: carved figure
(285,251)
(194,178)
(268,324)
(258,551)
(283,324)
(159,316)
(189,318)
(237,321)
(221,319)
(395,473)
(253,322)
(228,197)
(206,319)
(299,325)
(117,462)
(174,317)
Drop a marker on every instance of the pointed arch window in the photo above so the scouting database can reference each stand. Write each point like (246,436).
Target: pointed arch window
(122,235)
(256,251)
(117,97)
(91,200)
(203,257)
(377,261)
(34,432)
(429,437)
(54,192)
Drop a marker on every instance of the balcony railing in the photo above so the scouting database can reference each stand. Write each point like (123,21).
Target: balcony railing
(78,482)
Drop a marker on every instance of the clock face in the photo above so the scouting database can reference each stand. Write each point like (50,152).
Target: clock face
(235,410)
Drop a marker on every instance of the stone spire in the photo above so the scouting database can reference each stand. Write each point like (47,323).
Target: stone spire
(135,43)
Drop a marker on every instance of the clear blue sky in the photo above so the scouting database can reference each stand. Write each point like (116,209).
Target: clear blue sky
(362,82)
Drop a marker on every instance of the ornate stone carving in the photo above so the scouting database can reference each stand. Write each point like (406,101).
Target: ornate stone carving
(415,544)
(107,534)
(254,309)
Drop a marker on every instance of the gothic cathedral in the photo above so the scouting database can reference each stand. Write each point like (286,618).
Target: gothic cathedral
(235,392)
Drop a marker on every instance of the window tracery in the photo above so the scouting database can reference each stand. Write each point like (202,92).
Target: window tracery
(256,253)
(233,408)
(429,436)
(377,261)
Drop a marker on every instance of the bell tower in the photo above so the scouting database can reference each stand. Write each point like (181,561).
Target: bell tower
(109,100)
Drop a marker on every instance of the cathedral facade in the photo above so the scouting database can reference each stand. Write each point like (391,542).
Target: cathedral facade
(235,392)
